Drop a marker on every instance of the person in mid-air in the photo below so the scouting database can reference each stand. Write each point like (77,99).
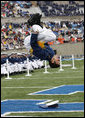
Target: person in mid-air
(38,41)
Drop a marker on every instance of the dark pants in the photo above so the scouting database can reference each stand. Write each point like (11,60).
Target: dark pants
(45,53)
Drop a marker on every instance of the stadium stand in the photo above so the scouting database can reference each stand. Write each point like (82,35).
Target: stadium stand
(47,8)
(14,8)
(13,34)
(18,8)
(67,8)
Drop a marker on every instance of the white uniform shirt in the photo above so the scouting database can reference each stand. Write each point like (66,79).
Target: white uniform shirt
(45,35)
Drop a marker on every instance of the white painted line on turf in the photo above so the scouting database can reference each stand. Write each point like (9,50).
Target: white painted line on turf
(55,77)
(8,113)
(4,100)
(25,99)
(65,71)
(55,94)
(59,77)
(75,92)
(29,87)
(19,116)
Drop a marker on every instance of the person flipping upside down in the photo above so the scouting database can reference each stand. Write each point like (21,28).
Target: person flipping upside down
(39,39)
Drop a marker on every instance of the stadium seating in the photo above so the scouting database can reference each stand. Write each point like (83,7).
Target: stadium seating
(47,8)
(66,8)
(13,34)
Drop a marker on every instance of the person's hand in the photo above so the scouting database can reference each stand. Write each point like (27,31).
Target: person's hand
(37,32)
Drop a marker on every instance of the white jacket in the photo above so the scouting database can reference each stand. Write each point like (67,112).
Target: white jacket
(45,35)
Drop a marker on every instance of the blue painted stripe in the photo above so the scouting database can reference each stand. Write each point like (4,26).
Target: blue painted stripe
(62,90)
(31,105)
(74,59)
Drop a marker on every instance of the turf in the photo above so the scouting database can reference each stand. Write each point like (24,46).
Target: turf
(20,86)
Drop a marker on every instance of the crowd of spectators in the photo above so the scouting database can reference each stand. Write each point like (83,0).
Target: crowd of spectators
(54,9)
(15,8)
(49,8)
(13,34)
(67,31)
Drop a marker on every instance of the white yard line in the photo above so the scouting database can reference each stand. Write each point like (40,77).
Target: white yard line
(30,87)
(20,116)
(8,113)
(57,77)
(44,78)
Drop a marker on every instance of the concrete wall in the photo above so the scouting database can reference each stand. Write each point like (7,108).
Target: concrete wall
(62,49)
(58,18)
(69,49)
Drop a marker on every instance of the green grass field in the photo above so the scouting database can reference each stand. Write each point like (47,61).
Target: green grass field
(20,86)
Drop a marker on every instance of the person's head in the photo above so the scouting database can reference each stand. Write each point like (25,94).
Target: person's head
(34,19)
(54,62)
(54,65)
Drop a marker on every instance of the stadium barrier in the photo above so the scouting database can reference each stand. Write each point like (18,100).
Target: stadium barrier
(28,68)
(7,65)
(45,64)
(10,68)
(45,67)
(66,65)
